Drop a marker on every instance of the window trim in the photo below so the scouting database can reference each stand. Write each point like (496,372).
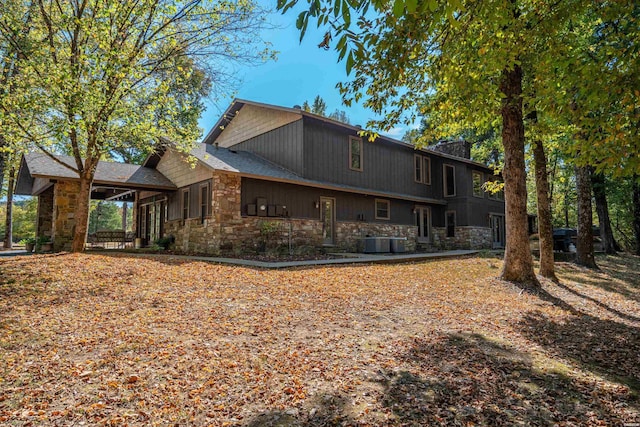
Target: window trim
(425,169)
(361,146)
(207,202)
(446,223)
(473,188)
(375,206)
(186,194)
(444,180)
(418,165)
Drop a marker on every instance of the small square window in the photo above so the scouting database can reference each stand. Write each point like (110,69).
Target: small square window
(355,153)
(383,209)
(478,191)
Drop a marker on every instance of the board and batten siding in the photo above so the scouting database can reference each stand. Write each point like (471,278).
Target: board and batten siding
(251,121)
(301,202)
(174,200)
(386,166)
(175,167)
(282,146)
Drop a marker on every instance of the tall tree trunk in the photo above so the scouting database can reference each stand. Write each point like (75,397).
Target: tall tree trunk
(636,211)
(584,244)
(8,222)
(3,160)
(518,262)
(545,229)
(566,211)
(81,213)
(602,209)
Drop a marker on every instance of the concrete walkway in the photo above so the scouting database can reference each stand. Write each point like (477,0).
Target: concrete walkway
(345,258)
(13,252)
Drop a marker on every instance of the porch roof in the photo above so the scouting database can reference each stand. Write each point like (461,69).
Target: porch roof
(36,168)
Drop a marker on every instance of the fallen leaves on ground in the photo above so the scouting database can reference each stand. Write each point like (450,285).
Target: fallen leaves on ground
(124,340)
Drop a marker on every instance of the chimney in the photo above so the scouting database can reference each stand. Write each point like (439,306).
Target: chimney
(459,148)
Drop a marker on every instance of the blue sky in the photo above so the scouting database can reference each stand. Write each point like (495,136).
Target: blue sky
(301,72)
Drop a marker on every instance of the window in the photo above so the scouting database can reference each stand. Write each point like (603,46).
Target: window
(422,168)
(204,202)
(185,204)
(451,224)
(355,153)
(496,195)
(477,184)
(449,180)
(383,209)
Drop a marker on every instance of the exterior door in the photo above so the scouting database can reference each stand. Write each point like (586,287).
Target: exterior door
(152,221)
(497,231)
(328,218)
(423,221)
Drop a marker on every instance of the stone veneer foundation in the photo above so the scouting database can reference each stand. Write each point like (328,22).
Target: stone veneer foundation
(248,234)
(465,238)
(44,226)
(65,199)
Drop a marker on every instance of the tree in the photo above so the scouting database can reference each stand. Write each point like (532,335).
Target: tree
(584,243)
(462,63)
(319,107)
(340,116)
(636,211)
(89,66)
(545,228)
(598,183)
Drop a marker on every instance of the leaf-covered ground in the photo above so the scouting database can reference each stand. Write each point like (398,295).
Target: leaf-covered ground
(119,340)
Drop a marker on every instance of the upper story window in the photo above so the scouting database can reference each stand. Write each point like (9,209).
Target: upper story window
(355,153)
(478,191)
(449,172)
(185,204)
(383,209)
(422,169)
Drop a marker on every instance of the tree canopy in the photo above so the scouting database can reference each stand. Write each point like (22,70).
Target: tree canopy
(103,77)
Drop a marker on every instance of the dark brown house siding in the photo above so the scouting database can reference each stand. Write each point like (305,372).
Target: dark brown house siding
(174,201)
(300,202)
(282,146)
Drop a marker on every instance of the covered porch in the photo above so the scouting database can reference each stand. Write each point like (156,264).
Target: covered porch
(57,188)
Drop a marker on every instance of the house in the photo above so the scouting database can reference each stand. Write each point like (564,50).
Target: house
(272,172)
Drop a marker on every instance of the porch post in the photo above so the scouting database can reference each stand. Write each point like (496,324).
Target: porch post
(44,225)
(65,198)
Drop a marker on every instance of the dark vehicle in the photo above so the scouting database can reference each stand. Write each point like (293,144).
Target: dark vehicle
(562,238)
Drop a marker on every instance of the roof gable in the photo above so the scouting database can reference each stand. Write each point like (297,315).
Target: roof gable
(244,120)
(40,165)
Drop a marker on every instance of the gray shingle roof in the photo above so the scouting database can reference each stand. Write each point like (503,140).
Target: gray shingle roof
(40,165)
(253,166)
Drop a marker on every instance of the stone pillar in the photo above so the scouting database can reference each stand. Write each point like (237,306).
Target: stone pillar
(44,226)
(65,198)
(226,200)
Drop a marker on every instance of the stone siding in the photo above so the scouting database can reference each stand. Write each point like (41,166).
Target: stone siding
(465,238)
(251,234)
(44,226)
(349,235)
(65,199)
(246,234)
